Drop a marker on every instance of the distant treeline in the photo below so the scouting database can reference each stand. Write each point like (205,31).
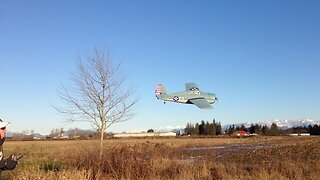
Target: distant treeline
(273,130)
(204,128)
(58,133)
(214,128)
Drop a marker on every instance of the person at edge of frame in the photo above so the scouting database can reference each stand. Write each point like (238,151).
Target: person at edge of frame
(2,137)
(11,162)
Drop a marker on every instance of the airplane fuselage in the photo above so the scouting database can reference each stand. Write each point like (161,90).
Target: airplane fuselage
(192,95)
(183,97)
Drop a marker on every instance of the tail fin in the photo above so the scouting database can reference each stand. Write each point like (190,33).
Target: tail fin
(160,91)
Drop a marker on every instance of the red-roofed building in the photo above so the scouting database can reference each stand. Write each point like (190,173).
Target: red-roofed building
(241,133)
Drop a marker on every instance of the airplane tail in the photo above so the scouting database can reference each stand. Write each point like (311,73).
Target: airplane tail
(160,91)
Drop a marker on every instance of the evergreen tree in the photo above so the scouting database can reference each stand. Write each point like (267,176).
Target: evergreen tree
(188,129)
(218,129)
(213,127)
(197,129)
(315,130)
(258,129)
(207,129)
(237,128)
(273,130)
(242,127)
(252,129)
(300,129)
(231,129)
(255,128)
(202,128)
(309,129)
(265,130)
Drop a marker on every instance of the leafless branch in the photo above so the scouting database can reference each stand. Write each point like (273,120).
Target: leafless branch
(97,93)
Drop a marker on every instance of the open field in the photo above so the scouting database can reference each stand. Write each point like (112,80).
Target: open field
(169,158)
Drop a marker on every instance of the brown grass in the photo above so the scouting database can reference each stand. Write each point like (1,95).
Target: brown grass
(172,158)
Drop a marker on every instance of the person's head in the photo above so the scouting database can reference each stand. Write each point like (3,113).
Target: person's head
(2,130)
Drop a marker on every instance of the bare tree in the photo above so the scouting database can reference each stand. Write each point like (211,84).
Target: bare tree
(98,94)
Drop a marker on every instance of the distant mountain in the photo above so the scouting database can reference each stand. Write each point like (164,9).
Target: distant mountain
(281,123)
(169,129)
(37,135)
(70,132)
(79,132)
(11,133)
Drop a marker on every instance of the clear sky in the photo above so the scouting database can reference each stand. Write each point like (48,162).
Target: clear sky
(261,58)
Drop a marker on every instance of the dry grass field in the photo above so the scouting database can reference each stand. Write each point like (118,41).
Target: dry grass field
(169,158)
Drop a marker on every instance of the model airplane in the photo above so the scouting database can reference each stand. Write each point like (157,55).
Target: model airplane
(192,95)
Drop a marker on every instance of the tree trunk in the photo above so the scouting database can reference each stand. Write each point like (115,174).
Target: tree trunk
(103,128)
(101,143)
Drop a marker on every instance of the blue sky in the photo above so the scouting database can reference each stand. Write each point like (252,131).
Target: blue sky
(261,58)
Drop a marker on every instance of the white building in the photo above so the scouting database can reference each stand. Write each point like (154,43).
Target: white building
(300,134)
(151,134)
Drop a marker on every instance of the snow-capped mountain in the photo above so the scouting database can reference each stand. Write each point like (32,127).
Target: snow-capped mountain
(161,129)
(285,124)
(169,129)
(281,123)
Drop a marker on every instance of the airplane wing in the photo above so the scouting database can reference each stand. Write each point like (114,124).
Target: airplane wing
(191,87)
(201,103)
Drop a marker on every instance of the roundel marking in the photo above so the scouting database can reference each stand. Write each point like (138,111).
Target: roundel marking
(176,98)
